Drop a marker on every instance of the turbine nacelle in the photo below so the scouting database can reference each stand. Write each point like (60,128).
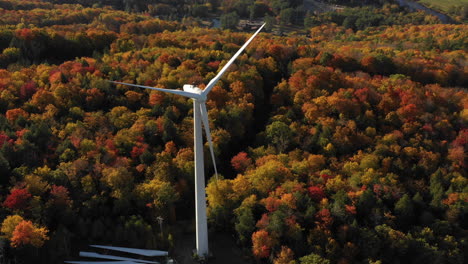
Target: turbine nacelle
(197,92)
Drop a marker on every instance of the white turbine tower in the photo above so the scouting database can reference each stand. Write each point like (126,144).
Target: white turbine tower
(200,115)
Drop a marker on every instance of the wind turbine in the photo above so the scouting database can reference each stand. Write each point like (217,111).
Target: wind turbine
(200,115)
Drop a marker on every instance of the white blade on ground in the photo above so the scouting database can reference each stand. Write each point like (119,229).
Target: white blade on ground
(206,124)
(213,81)
(101,262)
(138,251)
(178,92)
(102,256)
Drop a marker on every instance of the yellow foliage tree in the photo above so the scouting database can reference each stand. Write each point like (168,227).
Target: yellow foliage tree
(219,194)
(119,179)
(161,193)
(35,184)
(9,225)
(285,256)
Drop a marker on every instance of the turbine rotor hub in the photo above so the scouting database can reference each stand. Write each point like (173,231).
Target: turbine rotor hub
(194,90)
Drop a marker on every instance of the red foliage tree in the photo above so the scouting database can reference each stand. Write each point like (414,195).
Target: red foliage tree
(137,151)
(3,139)
(316,193)
(462,138)
(27,90)
(324,219)
(24,33)
(409,111)
(241,162)
(263,222)
(261,244)
(156,99)
(325,177)
(457,155)
(60,195)
(18,199)
(350,209)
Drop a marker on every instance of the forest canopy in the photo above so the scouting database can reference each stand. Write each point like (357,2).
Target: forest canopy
(345,144)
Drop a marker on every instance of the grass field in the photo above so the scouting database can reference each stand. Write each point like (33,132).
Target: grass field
(443,5)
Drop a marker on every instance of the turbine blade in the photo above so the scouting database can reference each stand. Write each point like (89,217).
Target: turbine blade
(103,256)
(213,81)
(206,124)
(102,262)
(178,92)
(137,251)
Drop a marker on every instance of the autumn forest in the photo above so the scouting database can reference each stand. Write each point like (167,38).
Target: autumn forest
(340,135)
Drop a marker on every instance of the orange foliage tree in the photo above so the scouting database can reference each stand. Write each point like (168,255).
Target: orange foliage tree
(26,233)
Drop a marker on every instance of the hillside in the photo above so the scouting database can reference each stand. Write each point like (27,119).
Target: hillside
(346,144)
(450,6)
